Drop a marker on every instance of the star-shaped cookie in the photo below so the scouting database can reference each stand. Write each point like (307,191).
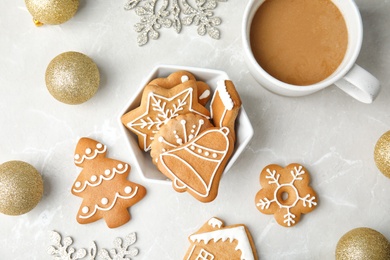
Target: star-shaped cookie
(181,76)
(158,106)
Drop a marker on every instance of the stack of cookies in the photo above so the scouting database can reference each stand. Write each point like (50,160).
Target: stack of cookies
(188,143)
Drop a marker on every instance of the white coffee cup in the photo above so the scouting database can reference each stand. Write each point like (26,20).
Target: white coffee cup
(349,77)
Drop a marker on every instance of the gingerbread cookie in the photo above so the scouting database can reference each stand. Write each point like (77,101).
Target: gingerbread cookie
(176,132)
(103,185)
(178,77)
(285,193)
(158,106)
(197,166)
(225,105)
(216,241)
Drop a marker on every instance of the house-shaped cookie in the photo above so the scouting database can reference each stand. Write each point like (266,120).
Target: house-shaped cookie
(214,241)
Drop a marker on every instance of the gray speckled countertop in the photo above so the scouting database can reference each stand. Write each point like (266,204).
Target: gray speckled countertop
(330,133)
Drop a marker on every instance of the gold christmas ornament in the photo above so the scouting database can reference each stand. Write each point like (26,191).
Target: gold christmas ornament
(52,11)
(361,244)
(382,154)
(72,78)
(21,187)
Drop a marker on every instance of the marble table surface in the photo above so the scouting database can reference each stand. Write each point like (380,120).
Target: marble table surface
(330,133)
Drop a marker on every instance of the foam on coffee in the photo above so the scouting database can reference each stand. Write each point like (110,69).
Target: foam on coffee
(300,42)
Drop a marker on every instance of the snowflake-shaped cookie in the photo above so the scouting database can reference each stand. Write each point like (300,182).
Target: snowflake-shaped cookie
(286,193)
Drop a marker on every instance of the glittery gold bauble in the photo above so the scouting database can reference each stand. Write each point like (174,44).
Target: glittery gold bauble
(382,154)
(72,78)
(363,244)
(52,11)
(21,187)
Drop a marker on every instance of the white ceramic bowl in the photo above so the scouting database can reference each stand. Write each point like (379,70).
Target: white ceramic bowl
(143,161)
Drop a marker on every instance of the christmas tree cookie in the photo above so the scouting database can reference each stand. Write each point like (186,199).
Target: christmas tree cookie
(103,185)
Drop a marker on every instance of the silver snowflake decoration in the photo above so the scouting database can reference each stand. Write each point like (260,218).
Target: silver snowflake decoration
(156,14)
(121,251)
(63,251)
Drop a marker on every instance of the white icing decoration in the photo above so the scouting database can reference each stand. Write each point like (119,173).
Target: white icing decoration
(215,155)
(104,201)
(117,195)
(179,140)
(85,210)
(190,147)
(88,151)
(107,172)
(200,151)
(224,95)
(225,98)
(77,184)
(120,166)
(207,153)
(227,234)
(205,94)
(273,178)
(99,146)
(184,78)
(101,178)
(128,189)
(79,160)
(215,223)
(93,178)
(159,104)
(204,255)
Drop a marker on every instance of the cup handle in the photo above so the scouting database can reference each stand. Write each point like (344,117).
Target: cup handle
(360,84)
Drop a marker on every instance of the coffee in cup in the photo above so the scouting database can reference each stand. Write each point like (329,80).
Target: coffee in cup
(299,42)
(291,68)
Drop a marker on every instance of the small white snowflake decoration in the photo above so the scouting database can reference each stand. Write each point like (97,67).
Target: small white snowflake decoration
(285,193)
(156,14)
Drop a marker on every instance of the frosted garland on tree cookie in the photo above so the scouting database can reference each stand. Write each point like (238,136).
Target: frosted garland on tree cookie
(104,187)
(108,175)
(88,155)
(105,201)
